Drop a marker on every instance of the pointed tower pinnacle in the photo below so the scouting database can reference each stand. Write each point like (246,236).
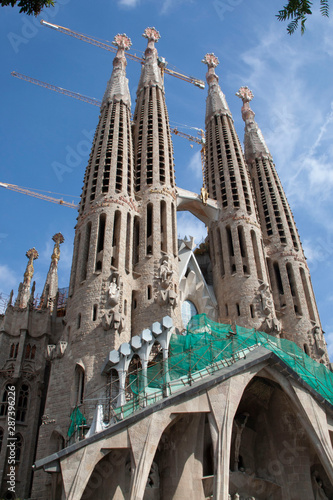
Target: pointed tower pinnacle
(216,102)
(24,288)
(51,284)
(117,87)
(150,73)
(254,142)
(289,274)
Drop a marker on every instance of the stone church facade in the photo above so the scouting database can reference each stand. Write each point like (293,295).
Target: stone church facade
(249,428)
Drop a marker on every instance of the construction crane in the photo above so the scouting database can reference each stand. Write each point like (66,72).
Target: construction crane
(199,140)
(107,46)
(41,196)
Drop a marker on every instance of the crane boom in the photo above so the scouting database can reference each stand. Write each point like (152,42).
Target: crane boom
(41,196)
(107,46)
(75,95)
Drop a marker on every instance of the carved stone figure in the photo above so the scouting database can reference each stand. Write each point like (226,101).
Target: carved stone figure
(240,425)
(318,340)
(112,320)
(165,272)
(113,291)
(204,195)
(172,298)
(317,484)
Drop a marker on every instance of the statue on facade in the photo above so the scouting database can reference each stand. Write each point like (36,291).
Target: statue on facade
(317,484)
(240,425)
(204,195)
(165,272)
(113,292)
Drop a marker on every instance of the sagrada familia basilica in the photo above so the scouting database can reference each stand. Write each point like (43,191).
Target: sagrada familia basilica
(169,372)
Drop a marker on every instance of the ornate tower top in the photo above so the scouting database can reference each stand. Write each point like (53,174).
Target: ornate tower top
(117,87)
(151,73)
(24,288)
(216,101)
(51,284)
(151,34)
(122,41)
(254,142)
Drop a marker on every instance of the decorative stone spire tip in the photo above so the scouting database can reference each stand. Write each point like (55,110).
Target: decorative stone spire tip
(152,34)
(122,41)
(245,94)
(211,60)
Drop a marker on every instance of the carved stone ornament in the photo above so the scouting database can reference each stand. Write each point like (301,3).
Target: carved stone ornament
(61,348)
(51,351)
(151,34)
(165,273)
(112,320)
(245,94)
(211,60)
(113,292)
(122,41)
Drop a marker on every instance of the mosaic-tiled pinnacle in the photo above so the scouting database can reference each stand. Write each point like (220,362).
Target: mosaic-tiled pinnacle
(150,73)
(117,87)
(216,101)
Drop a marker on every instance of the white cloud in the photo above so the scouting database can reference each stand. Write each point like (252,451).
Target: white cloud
(128,3)
(8,279)
(195,166)
(188,225)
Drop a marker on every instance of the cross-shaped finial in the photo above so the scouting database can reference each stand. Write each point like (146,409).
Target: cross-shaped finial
(152,34)
(122,41)
(32,254)
(211,60)
(58,238)
(245,94)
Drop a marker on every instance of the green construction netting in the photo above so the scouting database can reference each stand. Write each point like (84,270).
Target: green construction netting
(77,420)
(207,343)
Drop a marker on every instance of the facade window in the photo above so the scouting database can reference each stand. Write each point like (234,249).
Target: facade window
(22,403)
(78,321)
(4,402)
(94,315)
(188,310)
(79,385)
(30,351)
(1,438)
(13,351)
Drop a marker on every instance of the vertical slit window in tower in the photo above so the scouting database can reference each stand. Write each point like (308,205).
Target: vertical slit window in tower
(242,246)
(74,268)
(231,250)
(264,201)
(149,292)
(219,164)
(129,158)
(108,153)
(286,209)
(86,252)
(120,152)
(100,242)
(226,309)
(79,385)
(238,310)
(94,313)
(277,214)
(116,239)
(98,157)
(306,349)
(78,321)
(293,288)
(160,136)
(256,254)
(163,222)
(150,137)
(307,294)
(22,403)
(270,272)
(170,146)
(138,161)
(136,239)
(220,251)
(278,278)
(241,168)
(230,163)
(210,163)
(128,244)
(212,246)
(252,310)
(149,241)
(174,235)
(87,175)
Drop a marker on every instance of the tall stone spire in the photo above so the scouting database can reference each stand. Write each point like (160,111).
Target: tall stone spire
(106,217)
(51,284)
(155,234)
(24,288)
(238,260)
(290,279)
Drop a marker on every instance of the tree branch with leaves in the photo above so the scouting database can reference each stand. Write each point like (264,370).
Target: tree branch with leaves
(29,6)
(297,12)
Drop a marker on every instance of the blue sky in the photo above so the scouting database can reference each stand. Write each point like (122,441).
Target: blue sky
(46,137)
